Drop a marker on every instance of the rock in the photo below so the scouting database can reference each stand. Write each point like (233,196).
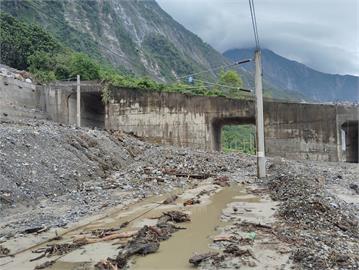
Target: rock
(197,259)
(222,181)
(4,251)
(191,202)
(354,187)
(174,216)
(170,199)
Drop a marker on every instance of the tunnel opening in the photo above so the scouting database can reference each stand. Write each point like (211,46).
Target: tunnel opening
(235,134)
(350,141)
(92,110)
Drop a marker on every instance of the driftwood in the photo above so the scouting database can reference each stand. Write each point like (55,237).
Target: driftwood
(91,240)
(224,237)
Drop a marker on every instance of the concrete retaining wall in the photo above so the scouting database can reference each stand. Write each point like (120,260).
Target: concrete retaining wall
(292,130)
(20,100)
(173,118)
(60,103)
(301,131)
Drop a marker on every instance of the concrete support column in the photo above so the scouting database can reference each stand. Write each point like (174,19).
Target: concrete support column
(78,99)
(261,160)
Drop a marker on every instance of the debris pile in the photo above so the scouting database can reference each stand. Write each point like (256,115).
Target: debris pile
(52,175)
(146,241)
(46,166)
(56,249)
(324,231)
(9,72)
(313,226)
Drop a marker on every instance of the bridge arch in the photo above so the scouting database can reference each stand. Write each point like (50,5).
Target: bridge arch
(93,110)
(220,122)
(350,141)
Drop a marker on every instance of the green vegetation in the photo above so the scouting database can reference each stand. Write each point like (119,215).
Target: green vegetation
(30,47)
(51,14)
(230,83)
(18,41)
(239,138)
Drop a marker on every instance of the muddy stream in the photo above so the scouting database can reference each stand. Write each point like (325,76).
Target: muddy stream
(175,252)
(172,254)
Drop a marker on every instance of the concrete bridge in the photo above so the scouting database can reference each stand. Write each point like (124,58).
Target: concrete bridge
(292,130)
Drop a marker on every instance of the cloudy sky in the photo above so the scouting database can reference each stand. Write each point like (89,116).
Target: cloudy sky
(323,34)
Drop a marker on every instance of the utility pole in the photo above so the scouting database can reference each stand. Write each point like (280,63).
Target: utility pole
(78,101)
(261,160)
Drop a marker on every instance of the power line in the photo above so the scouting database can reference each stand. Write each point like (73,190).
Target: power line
(216,68)
(225,86)
(254,23)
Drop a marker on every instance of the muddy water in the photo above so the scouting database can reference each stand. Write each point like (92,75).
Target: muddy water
(175,252)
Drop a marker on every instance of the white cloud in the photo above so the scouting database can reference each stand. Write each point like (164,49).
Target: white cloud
(323,34)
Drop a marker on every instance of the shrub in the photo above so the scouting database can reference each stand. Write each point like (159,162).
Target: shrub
(81,64)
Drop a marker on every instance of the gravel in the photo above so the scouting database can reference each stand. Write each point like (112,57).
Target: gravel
(53,175)
(323,228)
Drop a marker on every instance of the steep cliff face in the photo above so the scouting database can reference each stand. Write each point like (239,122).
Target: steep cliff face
(135,36)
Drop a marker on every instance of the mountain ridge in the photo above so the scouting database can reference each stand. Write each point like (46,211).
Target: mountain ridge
(290,75)
(126,34)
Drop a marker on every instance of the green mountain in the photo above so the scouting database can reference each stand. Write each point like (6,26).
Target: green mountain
(137,37)
(293,77)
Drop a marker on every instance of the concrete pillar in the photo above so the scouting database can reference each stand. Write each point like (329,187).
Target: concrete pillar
(78,99)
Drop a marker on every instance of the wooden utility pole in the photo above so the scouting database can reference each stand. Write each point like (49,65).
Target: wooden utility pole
(261,160)
(78,101)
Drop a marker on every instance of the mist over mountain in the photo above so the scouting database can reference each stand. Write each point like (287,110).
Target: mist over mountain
(291,76)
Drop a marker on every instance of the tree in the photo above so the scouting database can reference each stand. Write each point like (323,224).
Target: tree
(19,40)
(232,79)
(81,64)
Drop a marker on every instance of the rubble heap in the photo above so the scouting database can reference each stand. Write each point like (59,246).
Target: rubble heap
(325,232)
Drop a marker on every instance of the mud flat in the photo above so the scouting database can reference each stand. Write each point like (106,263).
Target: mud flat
(214,217)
